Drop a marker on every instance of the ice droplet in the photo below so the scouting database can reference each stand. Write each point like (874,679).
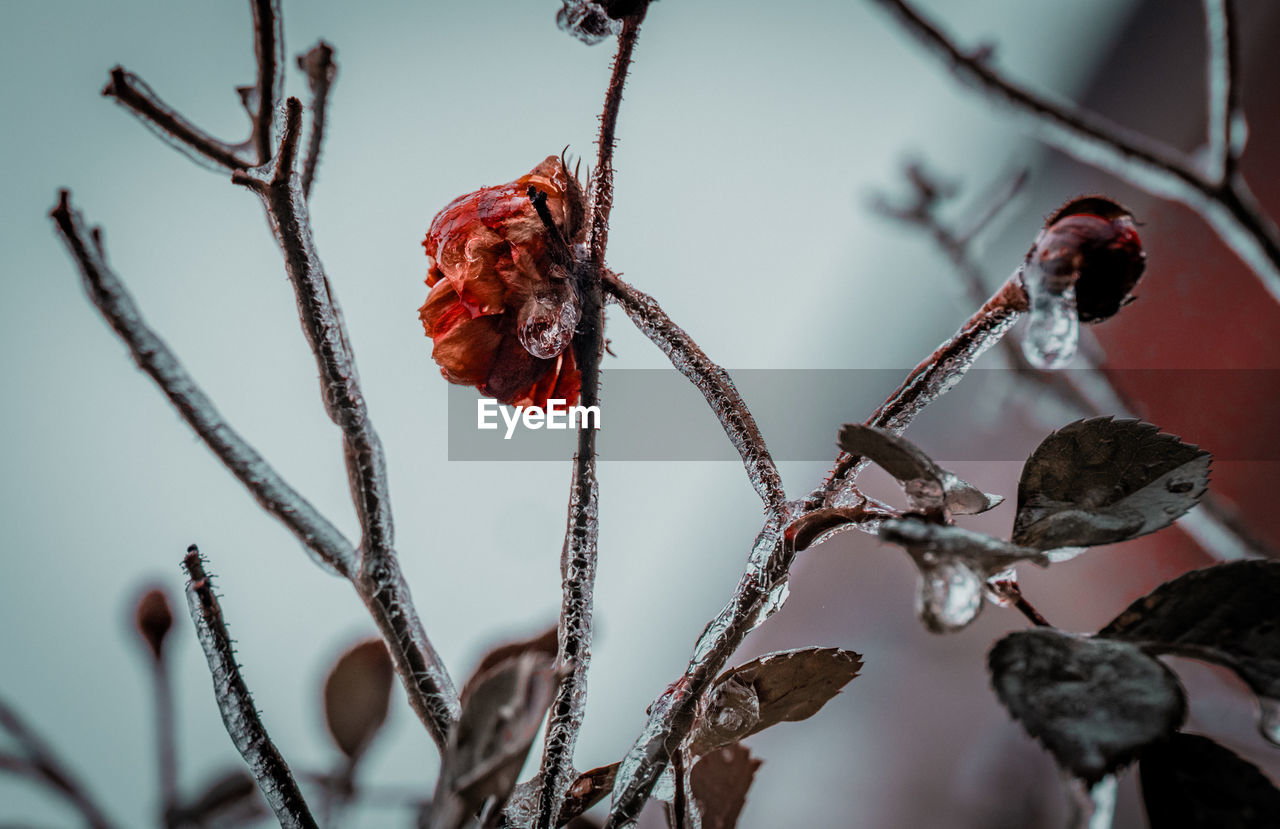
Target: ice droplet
(1103,795)
(586,21)
(1054,328)
(950,595)
(1061,554)
(546,324)
(1269,720)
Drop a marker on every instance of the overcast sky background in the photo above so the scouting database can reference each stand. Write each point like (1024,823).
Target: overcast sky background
(750,137)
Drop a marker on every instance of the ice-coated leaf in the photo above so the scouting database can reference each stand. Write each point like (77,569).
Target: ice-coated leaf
(1192,782)
(929,487)
(588,790)
(502,709)
(786,686)
(719,782)
(546,642)
(356,695)
(1228,614)
(1101,480)
(954,565)
(1094,703)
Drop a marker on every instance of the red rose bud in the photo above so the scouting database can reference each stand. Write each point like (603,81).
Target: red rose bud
(154,619)
(501,311)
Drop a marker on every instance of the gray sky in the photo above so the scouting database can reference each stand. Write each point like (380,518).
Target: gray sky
(750,135)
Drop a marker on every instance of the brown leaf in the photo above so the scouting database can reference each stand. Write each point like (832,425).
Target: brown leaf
(231,797)
(356,695)
(588,790)
(547,642)
(784,686)
(502,709)
(719,782)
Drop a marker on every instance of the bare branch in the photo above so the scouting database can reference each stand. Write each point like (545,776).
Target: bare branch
(236,703)
(380,582)
(38,761)
(268,47)
(321,70)
(1228,207)
(712,380)
(132,93)
(934,376)
(1226,121)
(580,551)
(153,356)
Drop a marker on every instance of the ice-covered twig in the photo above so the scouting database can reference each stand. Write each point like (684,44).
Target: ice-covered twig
(580,551)
(1087,390)
(133,93)
(268,48)
(712,380)
(1226,121)
(37,761)
(1227,205)
(379,581)
(153,356)
(934,376)
(321,71)
(236,704)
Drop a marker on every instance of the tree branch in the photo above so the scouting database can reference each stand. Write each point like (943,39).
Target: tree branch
(1226,206)
(380,582)
(712,380)
(236,703)
(580,552)
(273,494)
(321,70)
(38,761)
(1226,121)
(268,48)
(132,93)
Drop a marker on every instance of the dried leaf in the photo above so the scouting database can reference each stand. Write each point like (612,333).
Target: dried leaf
(1101,480)
(356,695)
(502,709)
(588,790)
(1192,782)
(1228,614)
(719,782)
(1093,703)
(930,488)
(547,642)
(231,797)
(954,565)
(785,686)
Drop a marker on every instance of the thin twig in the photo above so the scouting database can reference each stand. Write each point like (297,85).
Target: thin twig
(321,70)
(1228,207)
(712,380)
(1225,118)
(380,581)
(268,48)
(236,703)
(153,356)
(166,749)
(132,93)
(580,552)
(38,761)
(1009,590)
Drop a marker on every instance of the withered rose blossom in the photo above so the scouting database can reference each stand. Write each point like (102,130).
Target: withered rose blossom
(501,312)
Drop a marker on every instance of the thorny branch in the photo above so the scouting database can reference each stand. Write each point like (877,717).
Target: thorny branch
(272,492)
(1224,201)
(379,581)
(236,704)
(373,568)
(321,70)
(37,760)
(1214,526)
(579,554)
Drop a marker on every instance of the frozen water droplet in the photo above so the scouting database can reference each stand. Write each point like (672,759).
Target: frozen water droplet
(1103,797)
(772,603)
(586,21)
(1269,720)
(1054,328)
(1062,554)
(546,325)
(950,595)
